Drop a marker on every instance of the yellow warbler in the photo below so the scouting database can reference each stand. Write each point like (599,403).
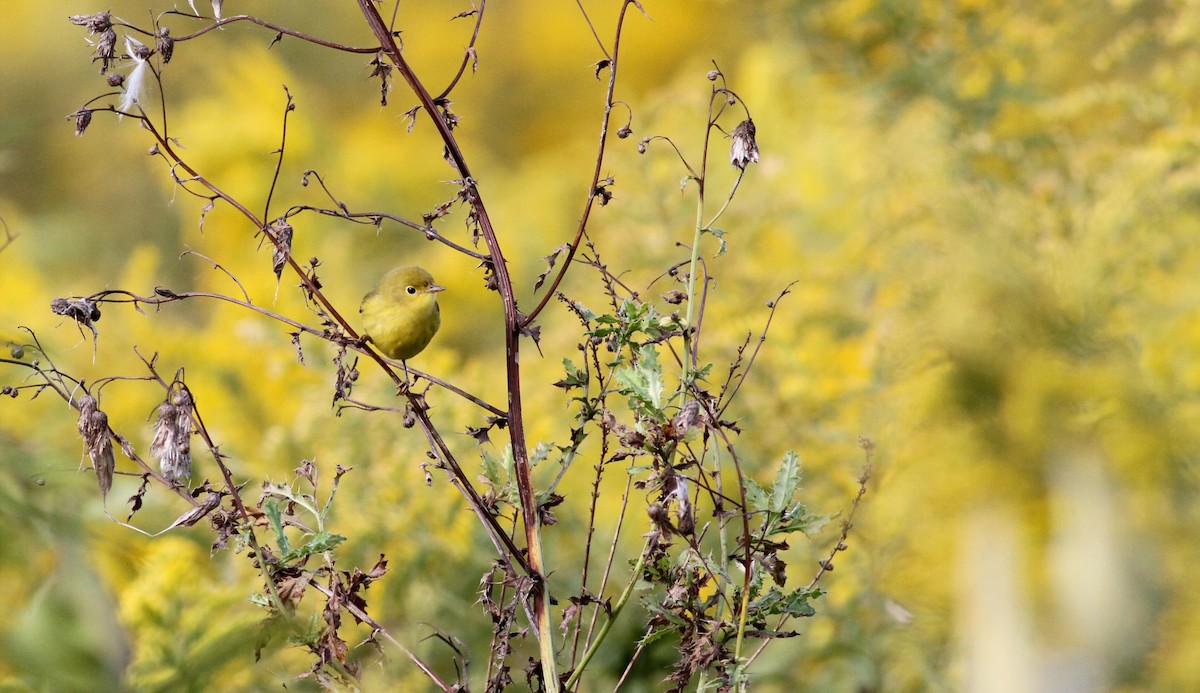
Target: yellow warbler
(401,315)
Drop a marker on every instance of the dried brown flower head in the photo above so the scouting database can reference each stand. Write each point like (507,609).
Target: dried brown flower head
(744,150)
(172,443)
(164,44)
(83,118)
(283,249)
(93,426)
(95,23)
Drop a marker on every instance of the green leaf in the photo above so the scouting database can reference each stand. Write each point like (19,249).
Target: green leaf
(756,496)
(319,543)
(787,481)
(798,520)
(776,602)
(275,517)
(499,473)
(648,363)
(584,311)
(719,234)
(574,378)
(540,453)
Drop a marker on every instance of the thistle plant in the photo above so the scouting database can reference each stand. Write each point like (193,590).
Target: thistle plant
(648,404)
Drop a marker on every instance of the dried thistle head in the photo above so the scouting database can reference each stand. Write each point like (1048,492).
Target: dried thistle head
(172,443)
(283,248)
(744,149)
(93,426)
(83,118)
(82,310)
(95,23)
(164,44)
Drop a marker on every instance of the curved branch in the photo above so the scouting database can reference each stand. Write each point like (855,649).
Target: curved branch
(590,203)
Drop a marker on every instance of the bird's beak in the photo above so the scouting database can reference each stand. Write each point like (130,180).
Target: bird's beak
(435,288)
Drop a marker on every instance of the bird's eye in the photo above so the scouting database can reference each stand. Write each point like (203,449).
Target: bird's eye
(412,290)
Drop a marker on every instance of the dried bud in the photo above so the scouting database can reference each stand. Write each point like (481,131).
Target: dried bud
(83,118)
(713,75)
(674,297)
(115,79)
(624,132)
(93,426)
(172,443)
(642,146)
(744,150)
(164,44)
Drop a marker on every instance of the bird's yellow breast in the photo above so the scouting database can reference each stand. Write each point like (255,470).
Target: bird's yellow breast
(401,329)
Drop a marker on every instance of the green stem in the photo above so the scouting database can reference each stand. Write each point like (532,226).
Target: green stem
(691,291)
(607,625)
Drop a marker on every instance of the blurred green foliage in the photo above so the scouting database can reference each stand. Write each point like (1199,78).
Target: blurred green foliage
(991,212)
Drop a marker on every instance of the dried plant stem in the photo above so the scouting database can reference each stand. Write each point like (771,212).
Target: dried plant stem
(516,423)
(593,189)
(366,618)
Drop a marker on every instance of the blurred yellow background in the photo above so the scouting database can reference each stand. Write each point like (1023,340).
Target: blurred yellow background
(990,209)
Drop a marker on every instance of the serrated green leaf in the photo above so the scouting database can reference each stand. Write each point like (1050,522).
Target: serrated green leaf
(317,543)
(787,480)
(491,470)
(540,452)
(776,602)
(275,517)
(756,496)
(652,372)
(654,635)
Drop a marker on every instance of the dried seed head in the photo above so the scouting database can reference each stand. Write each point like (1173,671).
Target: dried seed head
(713,75)
(164,44)
(283,249)
(81,310)
(115,79)
(95,23)
(137,49)
(93,426)
(687,419)
(83,118)
(87,406)
(624,131)
(106,49)
(744,150)
(172,443)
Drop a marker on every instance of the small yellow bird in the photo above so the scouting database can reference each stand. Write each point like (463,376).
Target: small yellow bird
(401,315)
